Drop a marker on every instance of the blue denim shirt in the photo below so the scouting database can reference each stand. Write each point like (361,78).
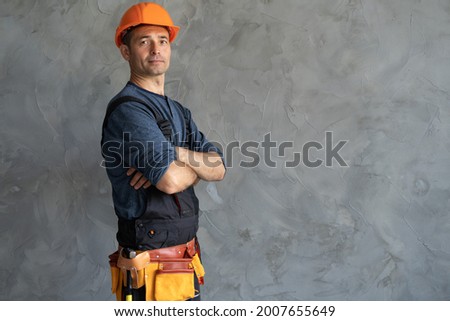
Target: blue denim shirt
(132,138)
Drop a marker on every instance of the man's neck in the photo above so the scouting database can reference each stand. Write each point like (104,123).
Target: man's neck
(154,84)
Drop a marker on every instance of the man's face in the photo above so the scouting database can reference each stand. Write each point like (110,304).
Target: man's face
(148,52)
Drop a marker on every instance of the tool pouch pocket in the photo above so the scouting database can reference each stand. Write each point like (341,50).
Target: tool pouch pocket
(116,275)
(198,268)
(174,280)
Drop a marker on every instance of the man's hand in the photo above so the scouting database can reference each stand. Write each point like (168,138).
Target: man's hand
(138,180)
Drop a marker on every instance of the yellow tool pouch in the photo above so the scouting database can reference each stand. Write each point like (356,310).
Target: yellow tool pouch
(174,280)
(165,279)
(198,268)
(116,276)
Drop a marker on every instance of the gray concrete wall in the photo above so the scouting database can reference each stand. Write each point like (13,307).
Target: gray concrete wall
(375,73)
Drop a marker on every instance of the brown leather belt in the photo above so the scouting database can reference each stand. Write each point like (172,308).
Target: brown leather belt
(144,258)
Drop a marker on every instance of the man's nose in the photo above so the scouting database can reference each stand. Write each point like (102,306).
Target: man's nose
(154,49)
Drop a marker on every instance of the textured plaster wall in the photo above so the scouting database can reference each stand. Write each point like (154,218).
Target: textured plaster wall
(373,72)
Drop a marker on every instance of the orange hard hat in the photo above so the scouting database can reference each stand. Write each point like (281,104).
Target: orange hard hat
(145,13)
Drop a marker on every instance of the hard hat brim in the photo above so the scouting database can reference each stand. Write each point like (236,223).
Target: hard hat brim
(173,32)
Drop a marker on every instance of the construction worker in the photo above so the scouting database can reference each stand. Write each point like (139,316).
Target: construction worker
(154,155)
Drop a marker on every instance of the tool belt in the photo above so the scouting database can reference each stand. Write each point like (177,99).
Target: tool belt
(166,273)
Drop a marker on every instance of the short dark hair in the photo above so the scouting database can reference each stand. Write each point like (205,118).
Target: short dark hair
(126,38)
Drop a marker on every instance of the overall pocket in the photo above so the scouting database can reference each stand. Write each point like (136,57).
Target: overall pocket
(174,280)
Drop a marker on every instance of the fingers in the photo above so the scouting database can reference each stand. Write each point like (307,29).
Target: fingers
(141,182)
(138,180)
(130,171)
(136,177)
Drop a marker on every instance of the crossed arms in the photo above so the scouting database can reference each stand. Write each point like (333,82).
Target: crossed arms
(188,169)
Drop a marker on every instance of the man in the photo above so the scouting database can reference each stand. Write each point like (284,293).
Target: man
(154,155)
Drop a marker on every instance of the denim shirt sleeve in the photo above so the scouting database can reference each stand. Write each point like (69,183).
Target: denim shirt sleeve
(133,139)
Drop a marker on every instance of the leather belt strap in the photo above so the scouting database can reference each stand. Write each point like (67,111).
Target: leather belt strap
(143,259)
(177,251)
(137,263)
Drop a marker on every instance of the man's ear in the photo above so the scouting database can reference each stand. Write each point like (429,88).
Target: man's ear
(125,51)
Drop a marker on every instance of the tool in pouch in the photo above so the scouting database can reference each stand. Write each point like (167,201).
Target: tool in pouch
(130,254)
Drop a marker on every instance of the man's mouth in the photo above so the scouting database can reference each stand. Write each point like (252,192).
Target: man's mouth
(156,60)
